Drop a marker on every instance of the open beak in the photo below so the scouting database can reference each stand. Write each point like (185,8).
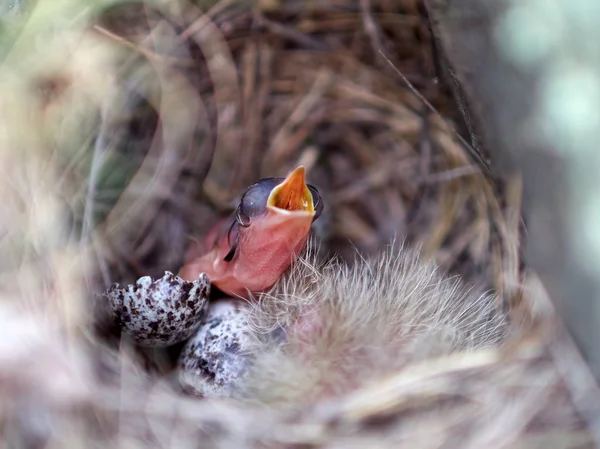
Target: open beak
(292,195)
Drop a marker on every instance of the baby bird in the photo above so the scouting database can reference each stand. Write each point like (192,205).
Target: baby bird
(326,329)
(247,253)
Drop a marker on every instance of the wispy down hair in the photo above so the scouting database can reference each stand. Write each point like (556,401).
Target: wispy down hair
(329,327)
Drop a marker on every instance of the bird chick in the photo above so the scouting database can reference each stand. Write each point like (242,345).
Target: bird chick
(328,329)
(248,253)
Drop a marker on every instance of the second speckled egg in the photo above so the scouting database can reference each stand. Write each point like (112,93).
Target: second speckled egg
(213,362)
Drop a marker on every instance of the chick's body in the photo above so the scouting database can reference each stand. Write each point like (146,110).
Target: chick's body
(328,329)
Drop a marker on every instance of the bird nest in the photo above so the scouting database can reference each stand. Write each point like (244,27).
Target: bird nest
(149,120)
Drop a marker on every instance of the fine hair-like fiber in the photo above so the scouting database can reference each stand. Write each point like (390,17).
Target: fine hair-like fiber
(344,325)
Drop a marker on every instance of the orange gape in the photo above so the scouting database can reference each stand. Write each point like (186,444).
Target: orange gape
(248,254)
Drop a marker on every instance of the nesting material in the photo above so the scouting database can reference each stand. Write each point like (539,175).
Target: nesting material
(214,360)
(293,85)
(161,312)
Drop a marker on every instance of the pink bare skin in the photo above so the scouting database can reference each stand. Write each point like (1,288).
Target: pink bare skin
(270,231)
(264,254)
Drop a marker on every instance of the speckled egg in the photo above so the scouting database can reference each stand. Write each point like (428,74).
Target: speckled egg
(213,362)
(161,312)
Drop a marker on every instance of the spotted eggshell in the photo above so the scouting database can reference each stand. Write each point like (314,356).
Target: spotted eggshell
(213,362)
(161,312)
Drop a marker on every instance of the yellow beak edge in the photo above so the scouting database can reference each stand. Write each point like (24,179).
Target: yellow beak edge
(292,194)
